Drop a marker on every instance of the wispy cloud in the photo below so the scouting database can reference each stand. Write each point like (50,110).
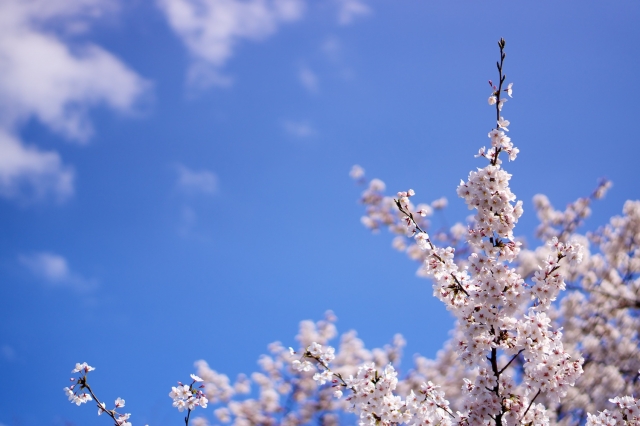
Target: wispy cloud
(194,226)
(188,222)
(348,10)
(53,269)
(46,78)
(308,79)
(332,48)
(8,353)
(196,182)
(211,29)
(298,129)
(334,51)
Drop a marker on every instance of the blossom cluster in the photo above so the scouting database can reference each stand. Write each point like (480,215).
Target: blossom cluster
(600,314)
(381,211)
(372,392)
(561,224)
(81,392)
(548,280)
(490,300)
(627,413)
(321,355)
(185,397)
(74,394)
(291,391)
(521,351)
(372,395)
(75,398)
(507,361)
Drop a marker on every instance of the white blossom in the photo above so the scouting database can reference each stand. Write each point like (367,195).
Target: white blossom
(509,90)
(523,350)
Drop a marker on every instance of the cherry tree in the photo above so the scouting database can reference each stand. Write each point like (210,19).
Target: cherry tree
(521,352)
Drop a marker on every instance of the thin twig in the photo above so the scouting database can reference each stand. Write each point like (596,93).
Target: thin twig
(530,404)
(509,363)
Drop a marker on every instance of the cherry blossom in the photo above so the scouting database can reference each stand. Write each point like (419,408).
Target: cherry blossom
(543,335)
(185,397)
(81,393)
(509,90)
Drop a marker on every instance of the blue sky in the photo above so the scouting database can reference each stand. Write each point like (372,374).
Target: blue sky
(174,174)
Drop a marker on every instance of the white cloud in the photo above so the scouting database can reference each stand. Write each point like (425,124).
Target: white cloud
(211,29)
(44,77)
(308,79)
(25,170)
(191,181)
(54,270)
(298,129)
(348,10)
